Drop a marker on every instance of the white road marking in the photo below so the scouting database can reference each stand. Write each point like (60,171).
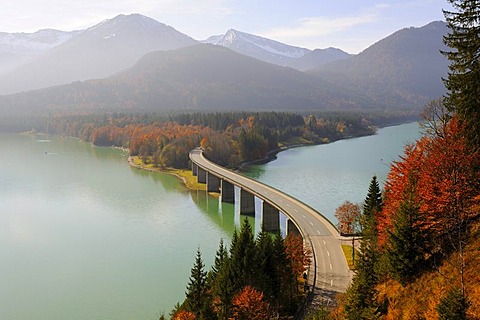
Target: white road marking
(331,283)
(331,267)
(311,223)
(318,232)
(328,253)
(324,242)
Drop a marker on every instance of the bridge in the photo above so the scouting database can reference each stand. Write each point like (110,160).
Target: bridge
(328,273)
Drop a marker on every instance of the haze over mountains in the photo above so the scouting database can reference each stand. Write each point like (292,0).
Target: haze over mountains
(142,64)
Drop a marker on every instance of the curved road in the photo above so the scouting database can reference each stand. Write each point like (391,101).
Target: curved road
(330,267)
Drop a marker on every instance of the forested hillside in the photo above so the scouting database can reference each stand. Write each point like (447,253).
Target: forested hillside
(419,252)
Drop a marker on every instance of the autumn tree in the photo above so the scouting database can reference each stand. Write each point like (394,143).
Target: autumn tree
(249,304)
(348,215)
(463,81)
(184,315)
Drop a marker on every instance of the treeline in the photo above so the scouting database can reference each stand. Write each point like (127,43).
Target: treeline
(258,278)
(228,138)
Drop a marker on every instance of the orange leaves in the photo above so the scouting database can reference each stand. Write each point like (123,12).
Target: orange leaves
(249,305)
(348,215)
(298,256)
(183,315)
(442,174)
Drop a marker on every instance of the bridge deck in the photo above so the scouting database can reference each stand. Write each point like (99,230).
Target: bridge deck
(331,273)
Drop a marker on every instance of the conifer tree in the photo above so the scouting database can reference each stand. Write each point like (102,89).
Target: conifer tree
(407,243)
(242,257)
(361,295)
(463,82)
(266,273)
(453,306)
(195,295)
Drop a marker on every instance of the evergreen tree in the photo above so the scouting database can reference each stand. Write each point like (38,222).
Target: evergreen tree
(361,295)
(196,293)
(242,257)
(266,273)
(463,82)
(220,257)
(453,306)
(373,201)
(407,245)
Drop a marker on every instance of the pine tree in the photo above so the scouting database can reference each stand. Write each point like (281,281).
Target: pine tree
(361,295)
(407,243)
(195,295)
(242,255)
(453,306)
(266,273)
(373,202)
(463,82)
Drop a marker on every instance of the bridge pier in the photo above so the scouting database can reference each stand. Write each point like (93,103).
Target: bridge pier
(270,218)
(201,175)
(194,169)
(291,227)
(228,192)
(213,183)
(247,203)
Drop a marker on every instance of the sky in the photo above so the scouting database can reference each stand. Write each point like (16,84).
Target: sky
(351,25)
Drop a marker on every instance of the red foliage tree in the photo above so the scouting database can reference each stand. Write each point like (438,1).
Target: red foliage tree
(348,215)
(249,305)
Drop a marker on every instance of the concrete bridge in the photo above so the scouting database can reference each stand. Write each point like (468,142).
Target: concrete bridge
(328,272)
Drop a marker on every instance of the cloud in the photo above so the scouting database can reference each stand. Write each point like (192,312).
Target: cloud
(319,26)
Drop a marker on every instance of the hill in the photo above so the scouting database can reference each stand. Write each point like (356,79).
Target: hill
(201,77)
(97,52)
(406,68)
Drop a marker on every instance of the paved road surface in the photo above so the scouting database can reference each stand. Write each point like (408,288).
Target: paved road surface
(332,273)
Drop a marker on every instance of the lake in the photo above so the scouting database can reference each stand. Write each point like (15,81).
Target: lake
(85,236)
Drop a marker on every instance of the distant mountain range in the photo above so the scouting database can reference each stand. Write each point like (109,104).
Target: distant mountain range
(142,64)
(18,48)
(406,68)
(276,52)
(97,52)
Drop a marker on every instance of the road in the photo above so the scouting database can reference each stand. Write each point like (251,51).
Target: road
(330,270)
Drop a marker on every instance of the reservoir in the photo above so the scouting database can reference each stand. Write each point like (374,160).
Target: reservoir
(85,236)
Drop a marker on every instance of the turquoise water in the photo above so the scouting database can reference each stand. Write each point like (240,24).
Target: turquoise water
(324,176)
(85,236)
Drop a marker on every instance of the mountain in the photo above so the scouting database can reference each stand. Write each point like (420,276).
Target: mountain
(404,69)
(200,77)
(18,48)
(317,58)
(275,52)
(97,52)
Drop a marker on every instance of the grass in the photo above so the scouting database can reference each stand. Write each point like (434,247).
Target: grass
(188,178)
(347,251)
(186,175)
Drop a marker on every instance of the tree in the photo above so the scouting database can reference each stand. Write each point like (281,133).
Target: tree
(361,295)
(348,215)
(196,293)
(407,245)
(183,315)
(249,305)
(453,306)
(463,81)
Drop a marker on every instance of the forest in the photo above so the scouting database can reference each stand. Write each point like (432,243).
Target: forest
(420,247)
(258,278)
(228,139)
